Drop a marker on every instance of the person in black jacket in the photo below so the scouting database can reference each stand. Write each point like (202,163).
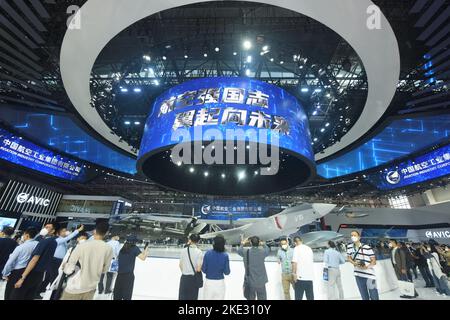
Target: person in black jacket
(400,263)
(7,245)
(421,262)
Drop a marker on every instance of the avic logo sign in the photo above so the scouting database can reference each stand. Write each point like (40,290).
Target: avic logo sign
(438,234)
(27,198)
(393,177)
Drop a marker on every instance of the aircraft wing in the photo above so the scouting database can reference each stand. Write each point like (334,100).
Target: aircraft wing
(231,235)
(163,218)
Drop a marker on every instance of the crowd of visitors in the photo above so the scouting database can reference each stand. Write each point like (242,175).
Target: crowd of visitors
(48,261)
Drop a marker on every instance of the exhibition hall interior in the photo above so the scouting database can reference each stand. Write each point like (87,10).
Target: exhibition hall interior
(224,150)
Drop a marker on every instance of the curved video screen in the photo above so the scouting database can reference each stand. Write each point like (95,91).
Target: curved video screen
(228,103)
(238,121)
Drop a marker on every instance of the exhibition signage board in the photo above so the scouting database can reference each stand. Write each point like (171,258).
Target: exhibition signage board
(19,151)
(432,165)
(233,210)
(19,197)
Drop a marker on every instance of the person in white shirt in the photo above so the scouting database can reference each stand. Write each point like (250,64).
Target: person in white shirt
(115,245)
(94,258)
(303,269)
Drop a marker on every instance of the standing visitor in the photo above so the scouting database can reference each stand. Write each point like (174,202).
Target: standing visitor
(255,268)
(18,260)
(190,265)
(7,245)
(362,257)
(284,256)
(86,264)
(115,245)
(123,289)
(400,263)
(216,265)
(63,237)
(421,262)
(332,260)
(27,286)
(303,268)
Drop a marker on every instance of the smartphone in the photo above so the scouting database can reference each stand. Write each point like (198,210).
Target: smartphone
(146,245)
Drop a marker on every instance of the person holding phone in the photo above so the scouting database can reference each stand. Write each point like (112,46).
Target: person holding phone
(123,289)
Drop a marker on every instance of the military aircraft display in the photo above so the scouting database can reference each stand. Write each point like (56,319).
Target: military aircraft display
(284,223)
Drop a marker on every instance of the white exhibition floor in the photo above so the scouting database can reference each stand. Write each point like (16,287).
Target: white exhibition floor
(157,278)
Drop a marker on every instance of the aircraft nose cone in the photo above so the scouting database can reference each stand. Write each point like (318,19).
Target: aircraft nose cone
(323,208)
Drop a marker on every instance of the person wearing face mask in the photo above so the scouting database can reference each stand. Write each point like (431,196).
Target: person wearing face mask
(86,264)
(27,286)
(18,260)
(63,237)
(58,285)
(362,257)
(332,260)
(284,256)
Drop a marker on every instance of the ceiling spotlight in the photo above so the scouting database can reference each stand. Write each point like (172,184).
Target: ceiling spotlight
(223,176)
(186,56)
(256,172)
(164,58)
(179,163)
(241,175)
(156,82)
(328,95)
(249,59)
(272,59)
(314,113)
(137,90)
(205,55)
(265,48)
(247,45)
(322,130)
(248,147)
(305,90)
(247,72)
(318,90)
(281,62)
(235,53)
(217,49)
(315,139)
(136,123)
(206,173)
(124,90)
(191,169)
(127,123)
(147,58)
(327,124)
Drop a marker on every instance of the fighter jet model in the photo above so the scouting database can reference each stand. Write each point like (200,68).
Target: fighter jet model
(284,223)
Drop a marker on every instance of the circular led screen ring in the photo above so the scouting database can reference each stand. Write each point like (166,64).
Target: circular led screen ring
(100,21)
(260,137)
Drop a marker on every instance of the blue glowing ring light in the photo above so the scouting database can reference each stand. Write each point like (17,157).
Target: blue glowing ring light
(222,104)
